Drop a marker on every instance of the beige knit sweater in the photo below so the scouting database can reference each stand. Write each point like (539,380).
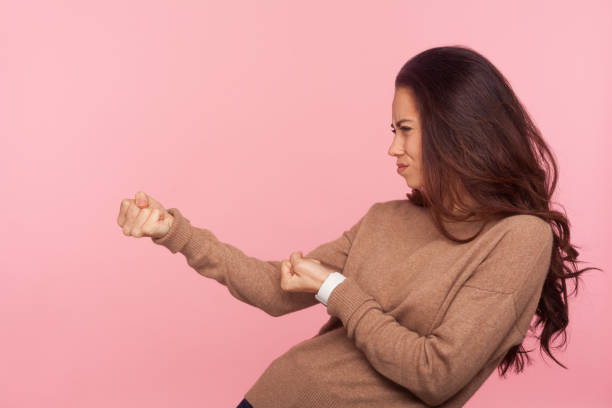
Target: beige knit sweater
(419,320)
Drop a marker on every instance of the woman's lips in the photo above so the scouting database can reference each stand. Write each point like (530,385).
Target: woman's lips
(401,168)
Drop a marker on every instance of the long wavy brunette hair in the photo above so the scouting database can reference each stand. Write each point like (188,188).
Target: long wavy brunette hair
(478,138)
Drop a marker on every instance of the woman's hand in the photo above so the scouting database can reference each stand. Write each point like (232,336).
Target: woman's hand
(144,217)
(300,274)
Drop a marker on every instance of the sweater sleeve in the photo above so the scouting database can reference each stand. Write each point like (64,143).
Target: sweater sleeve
(480,316)
(249,279)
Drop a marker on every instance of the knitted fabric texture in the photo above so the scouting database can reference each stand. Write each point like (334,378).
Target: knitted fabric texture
(419,321)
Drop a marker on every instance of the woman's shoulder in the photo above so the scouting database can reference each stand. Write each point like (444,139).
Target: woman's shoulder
(530,226)
(528,223)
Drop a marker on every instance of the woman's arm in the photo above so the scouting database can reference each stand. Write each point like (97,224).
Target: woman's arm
(248,279)
(480,319)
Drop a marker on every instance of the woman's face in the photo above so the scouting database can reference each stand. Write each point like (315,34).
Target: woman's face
(406,145)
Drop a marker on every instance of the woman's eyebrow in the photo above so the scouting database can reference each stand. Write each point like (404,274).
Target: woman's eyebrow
(399,122)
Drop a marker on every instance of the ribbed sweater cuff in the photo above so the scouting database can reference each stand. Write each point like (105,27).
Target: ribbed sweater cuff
(179,233)
(345,299)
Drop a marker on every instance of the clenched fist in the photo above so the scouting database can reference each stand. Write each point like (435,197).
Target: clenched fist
(144,217)
(299,274)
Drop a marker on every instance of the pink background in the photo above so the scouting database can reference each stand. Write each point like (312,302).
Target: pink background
(267,122)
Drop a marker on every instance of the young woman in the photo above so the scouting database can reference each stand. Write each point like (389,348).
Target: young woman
(426,296)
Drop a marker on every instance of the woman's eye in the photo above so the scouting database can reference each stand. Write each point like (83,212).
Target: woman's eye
(402,128)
